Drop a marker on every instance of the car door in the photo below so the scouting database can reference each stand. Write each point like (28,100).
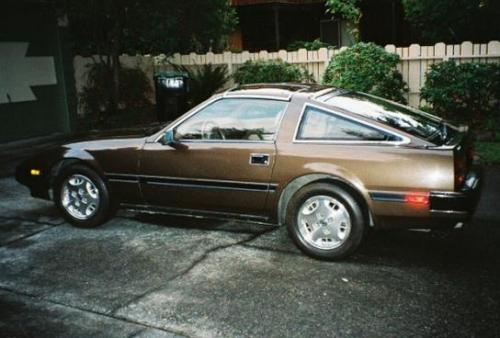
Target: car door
(222,161)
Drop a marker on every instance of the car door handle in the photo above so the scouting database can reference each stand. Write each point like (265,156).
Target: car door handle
(259,159)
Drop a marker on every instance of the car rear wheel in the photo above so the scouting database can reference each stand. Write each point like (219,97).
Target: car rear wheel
(82,197)
(325,221)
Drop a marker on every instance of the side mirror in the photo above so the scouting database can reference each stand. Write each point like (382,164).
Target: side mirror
(169,140)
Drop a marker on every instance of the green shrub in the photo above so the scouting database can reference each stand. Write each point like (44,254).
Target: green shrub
(465,93)
(270,71)
(309,45)
(348,10)
(204,81)
(134,90)
(488,151)
(368,68)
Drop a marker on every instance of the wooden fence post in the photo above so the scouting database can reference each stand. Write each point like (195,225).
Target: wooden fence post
(494,49)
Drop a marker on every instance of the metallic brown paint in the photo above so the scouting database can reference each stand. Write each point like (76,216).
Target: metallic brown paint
(136,169)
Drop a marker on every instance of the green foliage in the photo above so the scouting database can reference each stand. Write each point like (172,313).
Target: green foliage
(368,68)
(109,28)
(135,90)
(453,21)
(148,27)
(204,81)
(465,93)
(347,10)
(270,71)
(309,45)
(488,151)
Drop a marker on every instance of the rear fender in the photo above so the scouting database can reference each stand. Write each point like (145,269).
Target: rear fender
(353,185)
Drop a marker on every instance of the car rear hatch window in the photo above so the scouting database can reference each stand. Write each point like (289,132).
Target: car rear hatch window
(406,119)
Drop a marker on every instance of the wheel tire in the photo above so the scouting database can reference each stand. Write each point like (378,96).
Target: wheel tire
(104,208)
(347,245)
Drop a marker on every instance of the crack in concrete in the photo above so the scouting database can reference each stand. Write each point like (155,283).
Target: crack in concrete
(20,219)
(193,265)
(113,314)
(263,248)
(49,226)
(97,313)
(137,333)
(27,236)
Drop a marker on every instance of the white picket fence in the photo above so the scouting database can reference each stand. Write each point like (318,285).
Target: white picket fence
(415,60)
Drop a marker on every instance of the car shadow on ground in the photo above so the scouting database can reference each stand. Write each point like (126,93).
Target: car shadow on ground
(477,241)
(439,249)
(208,224)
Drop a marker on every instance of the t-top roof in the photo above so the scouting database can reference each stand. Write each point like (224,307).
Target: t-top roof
(282,91)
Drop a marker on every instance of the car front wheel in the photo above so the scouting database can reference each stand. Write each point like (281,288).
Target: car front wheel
(325,221)
(82,197)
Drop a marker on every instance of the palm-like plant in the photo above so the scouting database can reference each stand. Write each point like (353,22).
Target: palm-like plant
(204,81)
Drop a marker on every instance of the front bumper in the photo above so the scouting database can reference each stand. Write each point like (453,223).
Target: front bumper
(458,205)
(39,186)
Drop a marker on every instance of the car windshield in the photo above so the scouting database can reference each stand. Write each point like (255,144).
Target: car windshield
(407,119)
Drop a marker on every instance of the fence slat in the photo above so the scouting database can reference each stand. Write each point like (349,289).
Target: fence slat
(414,75)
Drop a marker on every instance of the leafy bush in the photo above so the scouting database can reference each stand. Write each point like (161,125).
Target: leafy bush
(309,45)
(204,81)
(488,151)
(134,90)
(465,93)
(368,68)
(348,10)
(270,71)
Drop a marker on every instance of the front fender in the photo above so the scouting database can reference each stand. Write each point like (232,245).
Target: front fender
(76,154)
(49,164)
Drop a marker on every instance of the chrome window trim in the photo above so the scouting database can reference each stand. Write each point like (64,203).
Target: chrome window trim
(228,141)
(404,139)
(220,98)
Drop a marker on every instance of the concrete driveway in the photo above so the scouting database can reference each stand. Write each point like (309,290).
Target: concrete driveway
(151,276)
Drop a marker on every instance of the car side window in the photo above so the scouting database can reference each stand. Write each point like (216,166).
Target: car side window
(318,124)
(234,119)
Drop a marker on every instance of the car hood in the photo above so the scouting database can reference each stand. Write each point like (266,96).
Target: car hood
(101,154)
(107,143)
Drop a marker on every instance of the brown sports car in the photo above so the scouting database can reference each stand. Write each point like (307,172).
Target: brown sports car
(329,163)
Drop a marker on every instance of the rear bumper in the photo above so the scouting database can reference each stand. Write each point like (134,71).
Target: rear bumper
(458,205)
(444,210)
